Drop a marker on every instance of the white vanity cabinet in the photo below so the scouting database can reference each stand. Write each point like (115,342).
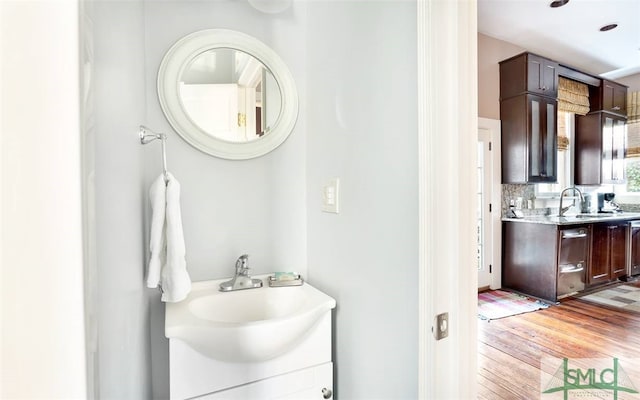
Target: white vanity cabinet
(305,384)
(301,373)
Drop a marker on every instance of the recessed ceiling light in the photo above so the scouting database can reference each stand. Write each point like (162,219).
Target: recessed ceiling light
(608,27)
(558,3)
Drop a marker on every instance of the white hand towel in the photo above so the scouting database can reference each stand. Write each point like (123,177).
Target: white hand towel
(157,195)
(167,264)
(176,283)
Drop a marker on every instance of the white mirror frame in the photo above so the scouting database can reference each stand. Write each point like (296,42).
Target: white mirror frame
(177,59)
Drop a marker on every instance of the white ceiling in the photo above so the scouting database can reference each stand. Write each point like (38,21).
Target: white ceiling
(570,34)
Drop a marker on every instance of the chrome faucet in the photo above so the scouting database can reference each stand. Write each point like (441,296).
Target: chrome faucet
(561,210)
(242,279)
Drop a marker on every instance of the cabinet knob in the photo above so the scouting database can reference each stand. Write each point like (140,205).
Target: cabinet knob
(326,393)
(544,88)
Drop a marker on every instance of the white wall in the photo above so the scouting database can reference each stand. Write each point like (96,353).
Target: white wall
(123,359)
(42,316)
(228,207)
(632,81)
(362,127)
(232,207)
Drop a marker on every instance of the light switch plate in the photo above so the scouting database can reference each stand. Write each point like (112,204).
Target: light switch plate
(331,196)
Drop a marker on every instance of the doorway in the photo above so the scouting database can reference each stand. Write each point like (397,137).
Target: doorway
(489,208)
(484,207)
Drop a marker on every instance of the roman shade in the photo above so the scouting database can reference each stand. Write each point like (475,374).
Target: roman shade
(573,96)
(563,139)
(633,107)
(633,125)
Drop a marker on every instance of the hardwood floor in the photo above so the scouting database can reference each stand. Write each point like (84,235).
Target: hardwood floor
(511,350)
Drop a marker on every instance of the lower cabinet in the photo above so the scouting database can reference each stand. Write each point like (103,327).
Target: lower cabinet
(525,267)
(303,373)
(549,261)
(608,252)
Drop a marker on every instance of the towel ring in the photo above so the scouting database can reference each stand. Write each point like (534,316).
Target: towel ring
(147,136)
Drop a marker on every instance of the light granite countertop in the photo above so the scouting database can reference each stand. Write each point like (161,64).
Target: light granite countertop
(575,219)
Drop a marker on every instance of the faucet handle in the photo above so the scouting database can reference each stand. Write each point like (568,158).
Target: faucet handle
(242,265)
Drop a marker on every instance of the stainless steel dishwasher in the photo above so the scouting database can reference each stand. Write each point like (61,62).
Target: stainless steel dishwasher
(573,253)
(634,249)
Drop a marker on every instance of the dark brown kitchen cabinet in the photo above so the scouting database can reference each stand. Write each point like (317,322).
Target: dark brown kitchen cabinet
(528,114)
(599,146)
(608,252)
(544,260)
(529,145)
(610,97)
(528,73)
(530,258)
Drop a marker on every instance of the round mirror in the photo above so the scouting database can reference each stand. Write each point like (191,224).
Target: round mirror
(227,94)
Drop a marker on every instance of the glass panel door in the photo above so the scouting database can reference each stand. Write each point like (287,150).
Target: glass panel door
(619,133)
(550,141)
(535,155)
(607,150)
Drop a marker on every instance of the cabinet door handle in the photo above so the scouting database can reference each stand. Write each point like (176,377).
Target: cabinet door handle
(568,269)
(573,235)
(616,108)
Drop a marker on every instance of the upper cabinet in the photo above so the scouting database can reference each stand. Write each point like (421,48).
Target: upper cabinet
(600,144)
(600,136)
(609,96)
(528,73)
(529,140)
(528,114)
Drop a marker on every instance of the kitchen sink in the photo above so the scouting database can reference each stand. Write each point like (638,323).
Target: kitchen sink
(596,215)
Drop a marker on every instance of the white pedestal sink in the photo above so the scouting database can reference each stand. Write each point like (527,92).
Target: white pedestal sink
(245,325)
(220,340)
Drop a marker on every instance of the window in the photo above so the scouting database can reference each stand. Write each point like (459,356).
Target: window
(632,160)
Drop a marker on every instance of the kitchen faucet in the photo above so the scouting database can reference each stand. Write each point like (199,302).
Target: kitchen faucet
(561,210)
(242,279)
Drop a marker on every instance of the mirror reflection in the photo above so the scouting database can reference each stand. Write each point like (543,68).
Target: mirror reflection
(230,95)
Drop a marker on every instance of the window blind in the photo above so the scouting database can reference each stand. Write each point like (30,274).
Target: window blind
(633,125)
(633,107)
(573,96)
(563,139)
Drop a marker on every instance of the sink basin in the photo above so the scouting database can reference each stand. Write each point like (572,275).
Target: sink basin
(246,325)
(595,215)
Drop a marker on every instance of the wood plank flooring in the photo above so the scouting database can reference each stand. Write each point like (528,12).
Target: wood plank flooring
(510,350)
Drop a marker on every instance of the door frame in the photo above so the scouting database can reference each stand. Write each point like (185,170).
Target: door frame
(495,221)
(447,136)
